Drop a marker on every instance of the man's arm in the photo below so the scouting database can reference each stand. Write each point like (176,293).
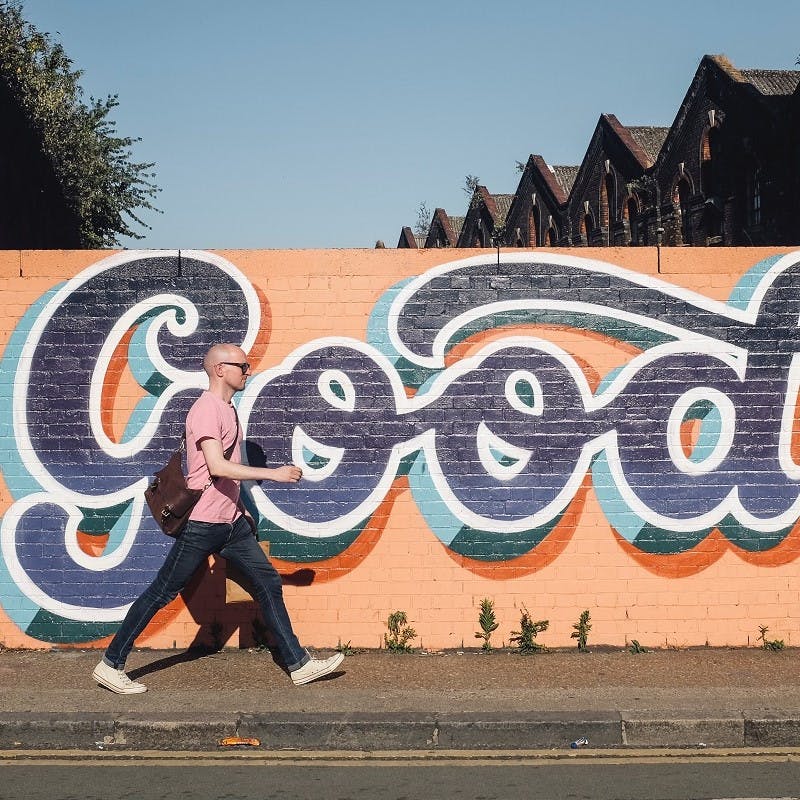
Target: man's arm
(220,467)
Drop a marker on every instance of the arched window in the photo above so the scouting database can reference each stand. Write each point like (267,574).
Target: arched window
(552,236)
(603,215)
(680,199)
(631,212)
(608,201)
(708,153)
(611,194)
(587,226)
(533,227)
(480,234)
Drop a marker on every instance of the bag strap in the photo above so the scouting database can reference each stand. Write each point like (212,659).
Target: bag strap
(228,450)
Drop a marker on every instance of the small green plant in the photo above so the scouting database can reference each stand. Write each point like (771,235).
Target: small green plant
(525,637)
(399,636)
(637,648)
(346,649)
(581,630)
(769,644)
(488,623)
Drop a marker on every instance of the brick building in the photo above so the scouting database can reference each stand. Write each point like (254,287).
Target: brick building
(485,217)
(444,230)
(726,172)
(535,217)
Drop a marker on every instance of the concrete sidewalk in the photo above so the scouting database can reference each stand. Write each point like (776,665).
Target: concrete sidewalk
(693,698)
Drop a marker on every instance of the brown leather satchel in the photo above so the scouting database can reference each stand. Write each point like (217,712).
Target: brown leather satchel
(170,500)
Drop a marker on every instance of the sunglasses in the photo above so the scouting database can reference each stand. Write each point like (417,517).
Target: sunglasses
(243,366)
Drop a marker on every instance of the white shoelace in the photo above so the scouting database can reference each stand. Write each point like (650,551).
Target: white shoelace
(124,679)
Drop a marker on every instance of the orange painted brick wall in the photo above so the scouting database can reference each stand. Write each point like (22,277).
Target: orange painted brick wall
(562,430)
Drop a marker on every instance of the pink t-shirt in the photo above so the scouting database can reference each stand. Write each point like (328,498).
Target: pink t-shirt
(212,418)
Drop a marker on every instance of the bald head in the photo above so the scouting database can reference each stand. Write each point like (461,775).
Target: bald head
(220,353)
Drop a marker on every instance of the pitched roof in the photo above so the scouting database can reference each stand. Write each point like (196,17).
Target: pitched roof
(502,203)
(649,138)
(772,81)
(407,238)
(444,223)
(496,204)
(610,121)
(565,176)
(769,82)
(543,175)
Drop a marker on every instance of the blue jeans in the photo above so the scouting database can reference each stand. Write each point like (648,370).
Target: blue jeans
(235,543)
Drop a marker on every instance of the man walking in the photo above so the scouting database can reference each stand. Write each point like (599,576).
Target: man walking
(217,524)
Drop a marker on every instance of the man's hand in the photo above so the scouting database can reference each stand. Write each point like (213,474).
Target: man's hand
(287,474)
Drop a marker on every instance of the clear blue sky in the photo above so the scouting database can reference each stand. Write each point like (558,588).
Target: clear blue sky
(326,124)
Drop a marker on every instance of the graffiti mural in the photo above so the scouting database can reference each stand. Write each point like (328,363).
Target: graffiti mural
(497,429)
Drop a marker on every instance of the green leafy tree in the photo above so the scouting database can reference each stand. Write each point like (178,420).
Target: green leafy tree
(423,224)
(471,183)
(102,185)
(470,188)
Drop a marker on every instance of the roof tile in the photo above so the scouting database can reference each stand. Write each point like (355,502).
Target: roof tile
(650,138)
(773,81)
(503,204)
(565,176)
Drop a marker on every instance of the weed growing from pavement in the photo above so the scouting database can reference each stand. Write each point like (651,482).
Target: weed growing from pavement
(347,650)
(400,634)
(525,637)
(488,623)
(769,644)
(581,632)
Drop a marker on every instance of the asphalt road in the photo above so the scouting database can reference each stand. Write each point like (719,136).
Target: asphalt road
(399,778)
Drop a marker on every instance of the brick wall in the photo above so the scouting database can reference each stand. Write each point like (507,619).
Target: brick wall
(551,432)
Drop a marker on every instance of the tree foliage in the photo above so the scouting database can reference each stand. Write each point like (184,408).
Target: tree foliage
(423,224)
(101,183)
(471,183)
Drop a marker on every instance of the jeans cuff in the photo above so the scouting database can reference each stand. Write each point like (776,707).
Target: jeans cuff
(301,663)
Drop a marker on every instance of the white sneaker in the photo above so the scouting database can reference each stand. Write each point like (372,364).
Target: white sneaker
(316,668)
(116,680)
